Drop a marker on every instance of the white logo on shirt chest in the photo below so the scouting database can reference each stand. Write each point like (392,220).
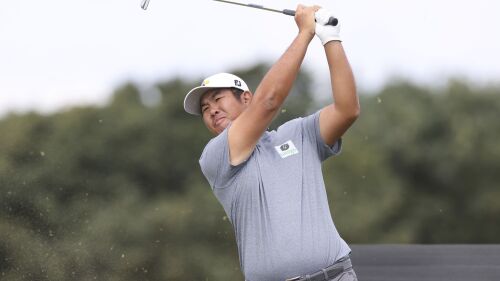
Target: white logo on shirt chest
(286,149)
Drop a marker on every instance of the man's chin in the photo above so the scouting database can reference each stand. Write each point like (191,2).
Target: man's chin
(222,126)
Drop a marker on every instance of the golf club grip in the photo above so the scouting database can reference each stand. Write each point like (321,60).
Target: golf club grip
(331,21)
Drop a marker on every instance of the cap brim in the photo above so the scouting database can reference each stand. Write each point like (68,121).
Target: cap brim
(192,100)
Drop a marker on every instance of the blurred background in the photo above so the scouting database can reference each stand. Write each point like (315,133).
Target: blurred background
(99,174)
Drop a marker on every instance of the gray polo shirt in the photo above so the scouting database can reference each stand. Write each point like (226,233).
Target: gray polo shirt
(276,201)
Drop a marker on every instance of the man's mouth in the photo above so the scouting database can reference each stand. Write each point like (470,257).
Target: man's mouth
(218,121)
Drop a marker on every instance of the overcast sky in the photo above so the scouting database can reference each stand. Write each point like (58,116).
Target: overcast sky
(60,53)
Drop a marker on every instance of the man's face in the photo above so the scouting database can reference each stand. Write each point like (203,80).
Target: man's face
(219,107)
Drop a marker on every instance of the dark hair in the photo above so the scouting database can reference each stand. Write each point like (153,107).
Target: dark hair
(236,92)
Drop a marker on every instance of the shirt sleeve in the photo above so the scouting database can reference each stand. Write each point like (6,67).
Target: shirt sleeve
(311,133)
(215,163)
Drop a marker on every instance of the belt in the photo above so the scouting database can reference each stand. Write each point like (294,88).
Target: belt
(327,273)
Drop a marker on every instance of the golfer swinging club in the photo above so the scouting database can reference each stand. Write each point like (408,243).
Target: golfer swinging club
(270,183)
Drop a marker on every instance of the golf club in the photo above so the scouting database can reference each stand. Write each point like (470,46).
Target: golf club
(144,4)
(332,21)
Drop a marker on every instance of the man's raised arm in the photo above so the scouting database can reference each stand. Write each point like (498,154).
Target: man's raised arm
(337,117)
(246,130)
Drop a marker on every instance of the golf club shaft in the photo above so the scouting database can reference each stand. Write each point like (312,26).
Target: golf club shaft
(332,21)
(144,4)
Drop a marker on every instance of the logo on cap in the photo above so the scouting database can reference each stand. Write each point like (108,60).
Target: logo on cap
(237,83)
(205,82)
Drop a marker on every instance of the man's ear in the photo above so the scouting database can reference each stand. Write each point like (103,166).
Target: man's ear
(246,97)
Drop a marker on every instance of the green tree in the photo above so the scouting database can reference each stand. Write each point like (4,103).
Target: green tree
(115,192)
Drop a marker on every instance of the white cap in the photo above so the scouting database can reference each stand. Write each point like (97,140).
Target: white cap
(220,80)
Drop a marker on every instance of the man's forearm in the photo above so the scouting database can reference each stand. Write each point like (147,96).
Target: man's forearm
(342,79)
(278,81)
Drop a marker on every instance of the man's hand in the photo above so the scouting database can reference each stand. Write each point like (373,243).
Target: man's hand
(326,33)
(304,17)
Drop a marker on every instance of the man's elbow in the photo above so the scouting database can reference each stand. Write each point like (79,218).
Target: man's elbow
(353,113)
(269,100)
(356,112)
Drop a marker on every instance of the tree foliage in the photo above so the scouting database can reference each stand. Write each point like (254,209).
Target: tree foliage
(116,193)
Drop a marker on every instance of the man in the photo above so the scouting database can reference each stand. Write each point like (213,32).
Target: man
(270,183)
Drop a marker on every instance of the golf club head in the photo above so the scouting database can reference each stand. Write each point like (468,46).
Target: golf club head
(144,4)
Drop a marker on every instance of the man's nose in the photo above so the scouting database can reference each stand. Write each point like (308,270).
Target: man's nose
(214,110)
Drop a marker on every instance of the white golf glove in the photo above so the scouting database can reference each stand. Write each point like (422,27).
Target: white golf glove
(326,33)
